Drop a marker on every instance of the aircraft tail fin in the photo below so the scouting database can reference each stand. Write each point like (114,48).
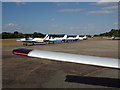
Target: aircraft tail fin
(46,37)
(85,37)
(77,36)
(65,36)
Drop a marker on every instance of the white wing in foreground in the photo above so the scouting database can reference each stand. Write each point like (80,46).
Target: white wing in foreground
(83,59)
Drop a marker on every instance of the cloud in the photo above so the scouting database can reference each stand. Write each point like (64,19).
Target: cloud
(62,0)
(105,10)
(73,27)
(115,23)
(13,0)
(65,3)
(110,8)
(104,2)
(109,1)
(52,19)
(20,3)
(54,26)
(61,3)
(70,10)
(77,3)
(80,29)
(100,12)
(43,0)
(10,25)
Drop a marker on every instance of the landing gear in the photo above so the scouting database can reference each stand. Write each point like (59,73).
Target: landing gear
(25,44)
(50,42)
(33,44)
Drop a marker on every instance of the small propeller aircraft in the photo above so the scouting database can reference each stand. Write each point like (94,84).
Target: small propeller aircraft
(57,39)
(49,39)
(61,38)
(112,38)
(85,37)
(34,40)
(74,38)
(75,58)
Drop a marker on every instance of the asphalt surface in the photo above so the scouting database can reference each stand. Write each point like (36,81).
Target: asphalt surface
(25,72)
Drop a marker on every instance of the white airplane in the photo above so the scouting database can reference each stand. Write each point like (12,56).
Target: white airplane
(75,58)
(24,39)
(58,39)
(112,38)
(34,40)
(85,37)
(115,38)
(61,38)
(51,39)
(72,38)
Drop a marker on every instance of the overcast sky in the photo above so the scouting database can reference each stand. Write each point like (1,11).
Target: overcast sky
(59,17)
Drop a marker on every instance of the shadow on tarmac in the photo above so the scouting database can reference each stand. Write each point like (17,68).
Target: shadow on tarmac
(101,81)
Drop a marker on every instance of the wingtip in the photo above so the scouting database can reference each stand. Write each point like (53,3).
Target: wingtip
(21,51)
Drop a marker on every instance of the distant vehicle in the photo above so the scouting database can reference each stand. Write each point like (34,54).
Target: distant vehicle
(83,59)
(34,40)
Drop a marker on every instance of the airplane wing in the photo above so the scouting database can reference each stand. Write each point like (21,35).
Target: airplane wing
(29,41)
(83,59)
(54,40)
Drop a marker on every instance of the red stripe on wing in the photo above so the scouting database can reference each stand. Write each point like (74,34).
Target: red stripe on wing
(21,51)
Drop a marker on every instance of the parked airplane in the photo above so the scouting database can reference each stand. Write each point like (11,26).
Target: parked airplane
(115,38)
(61,38)
(34,40)
(24,39)
(68,39)
(85,37)
(112,38)
(57,39)
(53,40)
(83,59)
(72,38)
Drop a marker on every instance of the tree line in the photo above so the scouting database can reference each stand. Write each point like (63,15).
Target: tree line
(112,32)
(16,34)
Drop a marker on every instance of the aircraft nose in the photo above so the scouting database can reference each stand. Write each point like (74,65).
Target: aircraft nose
(21,51)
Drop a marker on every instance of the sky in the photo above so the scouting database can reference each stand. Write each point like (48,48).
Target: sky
(59,17)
